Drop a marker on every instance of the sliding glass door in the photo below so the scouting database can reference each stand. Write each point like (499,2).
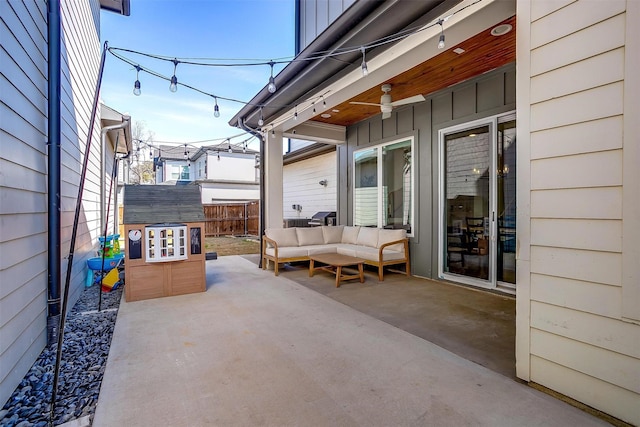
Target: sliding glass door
(477,203)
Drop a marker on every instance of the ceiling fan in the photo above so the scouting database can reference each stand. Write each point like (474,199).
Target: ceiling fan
(386,105)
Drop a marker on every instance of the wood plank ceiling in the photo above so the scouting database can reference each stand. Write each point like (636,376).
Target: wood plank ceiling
(482,52)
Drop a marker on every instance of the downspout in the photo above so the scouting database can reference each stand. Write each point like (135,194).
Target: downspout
(262,187)
(103,160)
(53,178)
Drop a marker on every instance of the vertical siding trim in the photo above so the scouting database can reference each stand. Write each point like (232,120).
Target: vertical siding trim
(523,132)
(631,174)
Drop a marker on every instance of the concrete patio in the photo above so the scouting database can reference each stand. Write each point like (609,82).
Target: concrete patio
(256,349)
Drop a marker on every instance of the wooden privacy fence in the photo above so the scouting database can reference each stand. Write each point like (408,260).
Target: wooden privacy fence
(232,219)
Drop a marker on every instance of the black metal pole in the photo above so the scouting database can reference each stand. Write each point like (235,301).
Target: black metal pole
(53,179)
(114,172)
(74,233)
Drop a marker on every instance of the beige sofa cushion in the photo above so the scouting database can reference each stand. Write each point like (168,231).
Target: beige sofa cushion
(350,234)
(368,236)
(283,236)
(309,236)
(386,236)
(332,234)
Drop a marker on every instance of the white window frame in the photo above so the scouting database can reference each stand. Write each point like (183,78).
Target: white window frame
(380,176)
(165,242)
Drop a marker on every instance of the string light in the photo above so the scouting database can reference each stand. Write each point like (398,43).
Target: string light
(272,82)
(363,66)
(218,155)
(173,87)
(272,88)
(295,114)
(261,119)
(186,153)
(230,149)
(136,85)
(441,40)
(216,109)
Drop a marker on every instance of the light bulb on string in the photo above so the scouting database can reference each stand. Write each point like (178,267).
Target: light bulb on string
(295,114)
(136,85)
(173,87)
(272,82)
(261,119)
(230,149)
(218,155)
(216,109)
(363,66)
(186,153)
(441,39)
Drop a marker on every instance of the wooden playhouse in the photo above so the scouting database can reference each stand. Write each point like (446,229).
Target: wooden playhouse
(164,241)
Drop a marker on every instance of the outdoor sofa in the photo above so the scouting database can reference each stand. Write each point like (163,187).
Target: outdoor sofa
(376,246)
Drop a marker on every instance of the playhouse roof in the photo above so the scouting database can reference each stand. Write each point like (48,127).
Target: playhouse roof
(154,204)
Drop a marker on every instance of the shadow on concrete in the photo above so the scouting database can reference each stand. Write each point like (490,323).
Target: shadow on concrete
(474,324)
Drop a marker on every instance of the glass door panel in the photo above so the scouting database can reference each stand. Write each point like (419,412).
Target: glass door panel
(366,188)
(506,200)
(467,161)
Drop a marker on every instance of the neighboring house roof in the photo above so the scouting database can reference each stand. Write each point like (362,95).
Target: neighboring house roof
(153,204)
(307,153)
(110,117)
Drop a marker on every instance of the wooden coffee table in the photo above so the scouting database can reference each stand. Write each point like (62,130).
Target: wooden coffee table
(334,264)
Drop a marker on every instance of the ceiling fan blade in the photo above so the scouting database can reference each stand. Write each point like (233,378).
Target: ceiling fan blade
(410,100)
(365,103)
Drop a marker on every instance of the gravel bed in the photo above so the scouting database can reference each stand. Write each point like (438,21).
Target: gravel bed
(85,349)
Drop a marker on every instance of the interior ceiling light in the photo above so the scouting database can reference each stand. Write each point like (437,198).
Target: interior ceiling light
(459,50)
(325,115)
(501,30)
(335,110)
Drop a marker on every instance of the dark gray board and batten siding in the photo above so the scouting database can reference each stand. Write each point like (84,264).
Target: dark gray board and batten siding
(487,95)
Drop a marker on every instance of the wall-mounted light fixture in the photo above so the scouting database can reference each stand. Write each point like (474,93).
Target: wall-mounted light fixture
(324,182)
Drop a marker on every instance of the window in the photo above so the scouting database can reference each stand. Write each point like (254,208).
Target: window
(165,242)
(180,172)
(383,186)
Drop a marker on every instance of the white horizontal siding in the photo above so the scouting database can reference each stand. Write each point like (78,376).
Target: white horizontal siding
(540,9)
(584,137)
(572,19)
(301,186)
(605,365)
(589,297)
(591,41)
(572,334)
(577,203)
(593,104)
(594,392)
(609,334)
(601,169)
(592,266)
(596,71)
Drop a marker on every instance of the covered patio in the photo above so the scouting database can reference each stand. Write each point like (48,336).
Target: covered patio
(256,349)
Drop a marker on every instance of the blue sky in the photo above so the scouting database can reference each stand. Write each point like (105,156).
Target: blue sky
(230,29)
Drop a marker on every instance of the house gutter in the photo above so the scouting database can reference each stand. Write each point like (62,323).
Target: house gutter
(53,177)
(258,135)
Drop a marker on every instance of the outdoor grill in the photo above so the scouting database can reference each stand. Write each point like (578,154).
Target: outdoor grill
(323,218)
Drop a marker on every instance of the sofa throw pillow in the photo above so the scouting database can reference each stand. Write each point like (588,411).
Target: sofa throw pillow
(283,236)
(332,234)
(350,234)
(309,236)
(368,236)
(386,236)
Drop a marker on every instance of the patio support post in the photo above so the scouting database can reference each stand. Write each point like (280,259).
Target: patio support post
(273,180)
